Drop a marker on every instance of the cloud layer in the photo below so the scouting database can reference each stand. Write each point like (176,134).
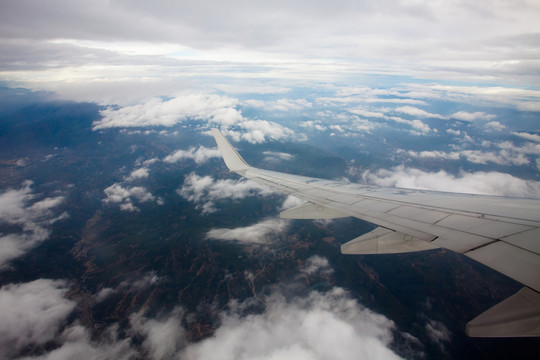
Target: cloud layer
(491,41)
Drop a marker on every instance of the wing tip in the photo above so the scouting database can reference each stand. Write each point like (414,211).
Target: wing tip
(232,159)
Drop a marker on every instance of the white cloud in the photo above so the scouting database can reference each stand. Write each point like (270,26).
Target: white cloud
(281,104)
(414,111)
(163,338)
(527,148)
(259,131)
(76,342)
(204,191)
(134,284)
(317,266)
(260,233)
(415,124)
(434,154)
(158,112)
(328,325)
(200,155)
(291,202)
(489,183)
(453,132)
(438,333)
(274,156)
(310,325)
(16,208)
(314,125)
(495,125)
(118,194)
(521,99)
(467,116)
(503,157)
(141,173)
(531,137)
(32,313)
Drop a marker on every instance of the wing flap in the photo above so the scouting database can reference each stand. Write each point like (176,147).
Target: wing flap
(385,241)
(519,315)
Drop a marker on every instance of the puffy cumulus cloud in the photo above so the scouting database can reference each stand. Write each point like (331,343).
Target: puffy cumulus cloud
(158,112)
(260,233)
(328,325)
(258,131)
(32,313)
(313,125)
(281,104)
(291,202)
(163,338)
(488,183)
(140,173)
(200,155)
(118,194)
(495,126)
(467,116)
(22,209)
(317,266)
(204,191)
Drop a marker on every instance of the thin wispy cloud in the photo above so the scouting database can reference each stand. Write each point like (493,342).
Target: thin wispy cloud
(23,209)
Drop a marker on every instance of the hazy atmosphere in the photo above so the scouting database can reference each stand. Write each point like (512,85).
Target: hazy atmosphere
(124,236)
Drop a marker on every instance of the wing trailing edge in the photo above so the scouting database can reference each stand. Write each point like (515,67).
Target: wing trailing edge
(516,316)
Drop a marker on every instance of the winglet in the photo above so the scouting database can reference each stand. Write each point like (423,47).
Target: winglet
(232,159)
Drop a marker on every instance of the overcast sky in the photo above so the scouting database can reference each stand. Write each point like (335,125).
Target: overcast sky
(75,45)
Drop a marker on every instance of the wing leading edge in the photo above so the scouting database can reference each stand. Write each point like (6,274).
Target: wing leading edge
(502,233)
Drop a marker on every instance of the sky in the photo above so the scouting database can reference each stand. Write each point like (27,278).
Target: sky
(126,51)
(457,81)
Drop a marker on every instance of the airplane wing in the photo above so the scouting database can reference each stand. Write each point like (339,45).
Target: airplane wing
(500,232)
